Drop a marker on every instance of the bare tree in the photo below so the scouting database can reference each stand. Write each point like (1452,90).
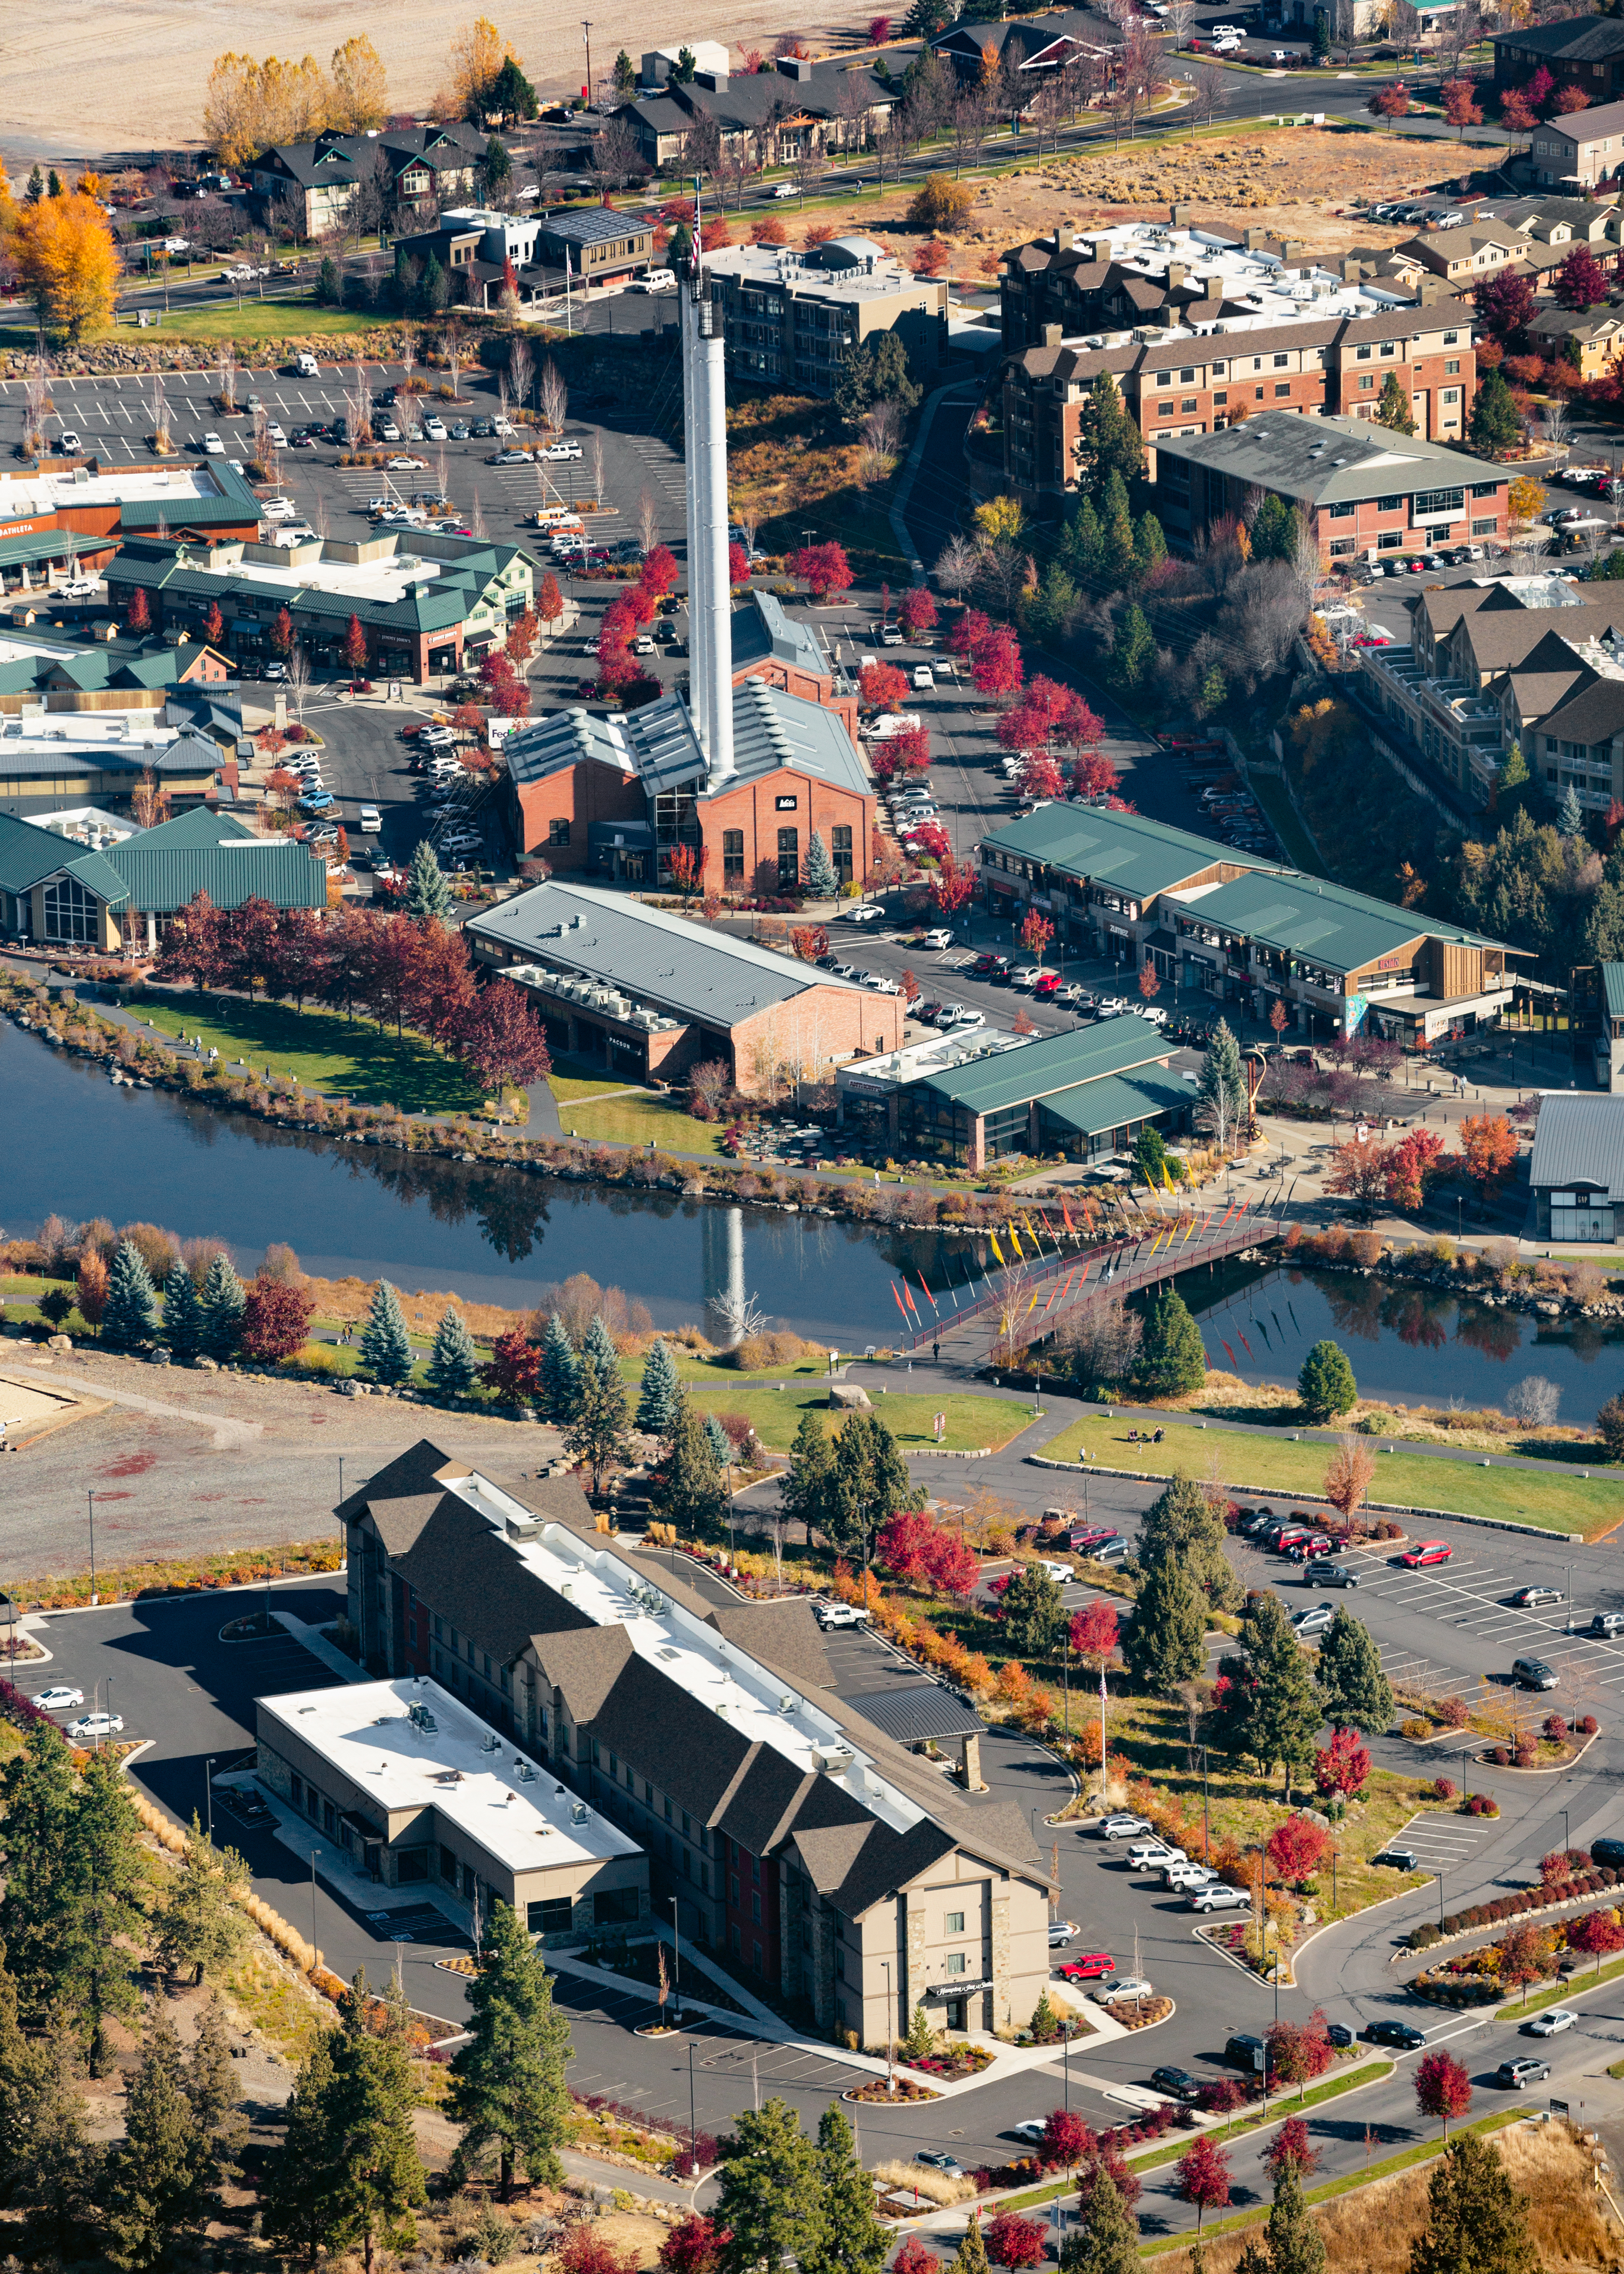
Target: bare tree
(748,518)
(453,365)
(956,567)
(227,377)
(1206,92)
(408,353)
(882,427)
(597,465)
(890,148)
(1000,572)
(1555,418)
(972,118)
(647,520)
(476,518)
(521,369)
(299,680)
(701,146)
(37,403)
(554,396)
(160,415)
(502,398)
(810,165)
(1179,18)
(616,156)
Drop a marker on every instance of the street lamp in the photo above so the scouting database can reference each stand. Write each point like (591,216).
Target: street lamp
(208,1796)
(676,1946)
(313,1854)
(586,34)
(94,1597)
(891,2033)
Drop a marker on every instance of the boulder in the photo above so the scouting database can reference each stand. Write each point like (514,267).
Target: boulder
(60,1343)
(207,1364)
(850,1396)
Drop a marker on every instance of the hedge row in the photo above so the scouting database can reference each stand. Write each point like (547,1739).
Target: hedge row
(1594,1882)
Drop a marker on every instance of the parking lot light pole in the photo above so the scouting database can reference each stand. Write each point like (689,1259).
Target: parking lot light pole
(676,1946)
(1440,1899)
(208,1796)
(94,1597)
(313,1854)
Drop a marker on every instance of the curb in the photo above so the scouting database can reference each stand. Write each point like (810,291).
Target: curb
(1558,1768)
(1493,1928)
(1318,1500)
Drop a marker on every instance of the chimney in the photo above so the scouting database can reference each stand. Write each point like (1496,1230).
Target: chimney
(710,596)
(1176,273)
(1254,240)
(716,81)
(1052,335)
(1214,290)
(970,1764)
(798,67)
(1180,216)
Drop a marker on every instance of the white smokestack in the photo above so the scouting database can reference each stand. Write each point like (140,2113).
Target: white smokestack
(697,682)
(704,420)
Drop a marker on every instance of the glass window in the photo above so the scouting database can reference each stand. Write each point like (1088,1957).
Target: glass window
(553,1914)
(789,859)
(956,1961)
(1283,387)
(733,854)
(1280,362)
(953,1924)
(841,853)
(71,912)
(558,832)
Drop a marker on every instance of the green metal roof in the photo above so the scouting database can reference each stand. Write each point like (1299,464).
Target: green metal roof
(164,877)
(435,607)
(198,827)
(1612,989)
(28,855)
(1301,916)
(1133,855)
(51,545)
(1117,1103)
(1058,1062)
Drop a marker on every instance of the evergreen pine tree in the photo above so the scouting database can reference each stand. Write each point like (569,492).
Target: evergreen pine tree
(43,2162)
(1494,425)
(1282,1716)
(560,1374)
(297,2212)
(869,1482)
(687,1490)
(1164,1643)
(770,2192)
(36,190)
(1294,2243)
(427,893)
(851,2239)
(1324,1383)
(1117,532)
(1276,528)
(1108,441)
(1221,1087)
(1477,2220)
(1354,1692)
(1392,411)
(223,1299)
(658,1392)
(183,1315)
(1048,612)
(1104,2239)
(40,1798)
(1215,691)
(720,1444)
(1569,813)
(1184,1521)
(454,1367)
(806,1489)
(386,1346)
(971,2255)
(211,2081)
(507,2089)
(822,880)
(105,1880)
(158,2176)
(372,2170)
(1149,545)
(1082,545)
(201,1927)
(1033,1613)
(1171,1362)
(1511,773)
(1134,651)
(595,1432)
(132,1313)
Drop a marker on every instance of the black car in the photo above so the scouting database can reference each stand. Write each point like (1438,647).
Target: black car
(1318,1573)
(1402,2034)
(1398,1859)
(829,962)
(1177,2083)
(1610,1852)
(1109,1551)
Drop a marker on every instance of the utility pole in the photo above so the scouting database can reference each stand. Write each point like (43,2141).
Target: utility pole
(586,34)
(94,1597)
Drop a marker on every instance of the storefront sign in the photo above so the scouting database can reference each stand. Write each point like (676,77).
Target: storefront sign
(957,1989)
(784,805)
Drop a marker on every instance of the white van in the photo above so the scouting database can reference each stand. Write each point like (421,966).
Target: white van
(308,367)
(655,280)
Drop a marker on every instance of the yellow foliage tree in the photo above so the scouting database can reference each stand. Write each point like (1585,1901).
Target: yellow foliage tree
(92,185)
(231,109)
(477,53)
(250,106)
(1000,520)
(68,263)
(360,87)
(1525,500)
(939,203)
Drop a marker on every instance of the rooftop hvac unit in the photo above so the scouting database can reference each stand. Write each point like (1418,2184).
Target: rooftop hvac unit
(578,1812)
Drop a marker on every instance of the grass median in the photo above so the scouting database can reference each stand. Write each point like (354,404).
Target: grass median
(776,1414)
(1252,1461)
(321,1049)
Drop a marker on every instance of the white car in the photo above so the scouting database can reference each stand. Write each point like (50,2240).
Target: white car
(1182,1878)
(940,938)
(68,442)
(840,1614)
(960,1014)
(1133,1985)
(274,433)
(1058,1572)
(643,645)
(279,509)
(1219,1898)
(78,588)
(371,821)
(1151,1855)
(1120,1828)
(865,915)
(59,1699)
(96,1725)
(1551,2024)
(462,842)
(435,429)
(213,447)
(1061,1931)
(880,984)
(556,451)
(405,465)
(923,676)
(1033,2129)
(785,190)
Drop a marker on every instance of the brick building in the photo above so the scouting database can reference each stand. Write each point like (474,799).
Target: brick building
(798,1842)
(1181,384)
(791,316)
(1582,52)
(653,995)
(1363,490)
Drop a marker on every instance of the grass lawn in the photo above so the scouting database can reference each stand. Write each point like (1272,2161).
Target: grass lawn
(1556,1503)
(256,319)
(1272,795)
(776,1414)
(322,1050)
(636,1120)
(569,1089)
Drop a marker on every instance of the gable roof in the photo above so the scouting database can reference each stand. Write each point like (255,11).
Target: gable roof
(1138,856)
(29,855)
(1326,923)
(1577,39)
(1057,1063)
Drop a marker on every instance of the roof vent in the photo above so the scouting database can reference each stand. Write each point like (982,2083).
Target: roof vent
(578,1812)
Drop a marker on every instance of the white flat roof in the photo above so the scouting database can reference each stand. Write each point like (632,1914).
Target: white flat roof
(763,1706)
(389,579)
(127,485)
(514,1810)
(91,730)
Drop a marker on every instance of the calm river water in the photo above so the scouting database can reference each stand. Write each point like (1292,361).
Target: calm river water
(71,1142)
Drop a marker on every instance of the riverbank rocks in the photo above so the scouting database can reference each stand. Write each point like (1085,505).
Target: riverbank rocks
(850,1396)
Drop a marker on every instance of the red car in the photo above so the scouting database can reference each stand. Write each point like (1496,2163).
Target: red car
(1426,1551)
(1049,984)
(1090,1968)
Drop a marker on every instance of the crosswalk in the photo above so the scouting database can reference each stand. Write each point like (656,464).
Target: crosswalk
(1468,1599)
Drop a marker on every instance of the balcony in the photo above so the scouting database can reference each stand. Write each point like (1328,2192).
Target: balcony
(1450,721)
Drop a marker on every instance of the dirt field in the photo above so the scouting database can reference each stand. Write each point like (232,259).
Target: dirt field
(137,73)
(184,1463)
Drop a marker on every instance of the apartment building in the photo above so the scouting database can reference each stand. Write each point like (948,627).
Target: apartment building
(795,110)
(1596,1019)
(424,166)
(1363,490)
(791,318)
(1180,384)
(1582,148)
(787,1833)
(1244,932)
(1586,52)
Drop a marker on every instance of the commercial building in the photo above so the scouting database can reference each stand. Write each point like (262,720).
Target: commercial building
(1363,491)
(410,168)
(653,995)
(1596,1018)
(45,672)
(1082,1094)
(791,318)
(475,246)
(1577,1171)
(416,1790)
(101,757)
(759,118)
(425,602)
(799,1842)
(55,891)
(1244,932)
(70,516)
(1586,52)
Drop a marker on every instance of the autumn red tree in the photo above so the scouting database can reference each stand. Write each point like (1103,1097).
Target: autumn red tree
(950,887)
(1290,2145)
(953,1565)
(823,567)
(882,687)
(1412,1164)
(1343,1765)
(1462,108)
(281,634)
(276,1320)
(1298,2051)
(1036,931)
(737,563)
(917,614)
(514,1368)
(523,634)
(1389,101)
(137,617)
(909,752)
(1067,2139)
(996,666)
(194,945)
(213,625)
(1443,2089)
(658,573)
(499,1038)
(809,941)
(1488,1147)
(355,645)
(1516,113)
(1580,280)
(1295,1848)
(1039,776)
(967,634)
(1092,775)
(696,2243)
(685,865)
(549,600)
(1094,1630)
(1597,1935)
(1014,2242)
(1201,2176)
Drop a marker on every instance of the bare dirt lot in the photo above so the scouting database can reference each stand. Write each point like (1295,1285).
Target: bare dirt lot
(85,79)
(186,1464)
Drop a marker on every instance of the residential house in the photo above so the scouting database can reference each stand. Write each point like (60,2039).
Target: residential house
(1589,338)
(1582,147)
(1582,52)
(765,119)
(425,167)
(1033,49)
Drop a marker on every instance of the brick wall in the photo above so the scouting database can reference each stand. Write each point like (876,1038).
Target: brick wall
(569,800)
(740,829)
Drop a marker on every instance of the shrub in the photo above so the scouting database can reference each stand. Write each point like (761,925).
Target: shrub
(1587,1727)
(757,1353)
(1500,1757)
(1442,1788)
(1556,1729)
(1415,1730)
(1452,1712)
(1527,1753)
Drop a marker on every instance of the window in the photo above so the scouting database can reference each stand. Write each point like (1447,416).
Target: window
(1342,510)
(448,1866)
(953,1924)
(733,856)
(789,859)
(553,1914)
(1340,544)
(668,1808)
(297,1789)
(755,1909)
(71,912)
(1186,379)
(1221,396)
(1283,387)
(1390,505)
(732,1889)
(1387,347)
(1452,395)
(1191,402)
(956,1961)
(733,1943)
(841,853)
(1486,489)
(1164,409)
(755,1957)
(1431,501)
(1367,380)
(1452,339)
(1486,528)
(1389,540)
(615,1907)
(558,832)
(1280,362)
(1452,368)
